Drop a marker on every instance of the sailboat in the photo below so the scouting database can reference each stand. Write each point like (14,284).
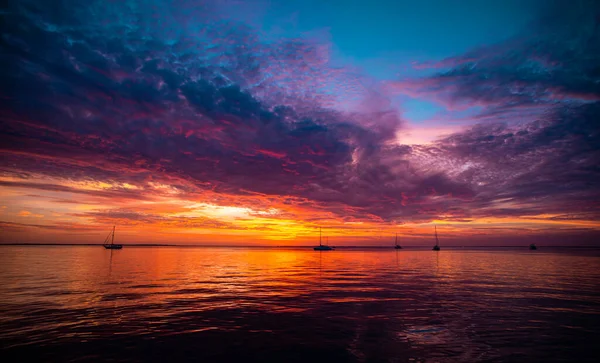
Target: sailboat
(396,245)
(321,246)
(532,246)
(437,241)
(111,245)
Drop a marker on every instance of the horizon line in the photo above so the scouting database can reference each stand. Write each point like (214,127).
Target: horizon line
(283,246)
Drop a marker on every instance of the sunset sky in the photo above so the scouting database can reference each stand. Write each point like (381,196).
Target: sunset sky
(257,122)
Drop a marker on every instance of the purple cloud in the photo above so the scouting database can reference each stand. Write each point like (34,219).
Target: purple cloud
(100,92)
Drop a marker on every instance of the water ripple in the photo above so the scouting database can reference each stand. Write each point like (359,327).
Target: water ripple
(82,303)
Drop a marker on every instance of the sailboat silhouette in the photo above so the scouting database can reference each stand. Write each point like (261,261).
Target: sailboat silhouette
(437,241)
(321,246)
(111,245)
(396,245)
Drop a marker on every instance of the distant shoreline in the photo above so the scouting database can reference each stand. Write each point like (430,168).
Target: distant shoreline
(278,246)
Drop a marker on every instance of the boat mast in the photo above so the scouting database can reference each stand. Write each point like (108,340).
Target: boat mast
(320,244)
(396,239)
(437,242)
(112,242)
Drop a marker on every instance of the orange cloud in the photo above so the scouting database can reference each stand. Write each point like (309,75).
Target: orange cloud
(25,213)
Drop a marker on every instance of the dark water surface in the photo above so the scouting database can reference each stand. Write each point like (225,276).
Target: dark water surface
(218,304)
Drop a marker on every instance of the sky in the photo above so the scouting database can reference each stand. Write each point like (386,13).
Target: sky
(259,122)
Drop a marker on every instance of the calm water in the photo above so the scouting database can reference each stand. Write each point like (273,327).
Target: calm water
(217,304)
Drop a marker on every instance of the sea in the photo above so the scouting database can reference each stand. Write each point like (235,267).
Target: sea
(204,304)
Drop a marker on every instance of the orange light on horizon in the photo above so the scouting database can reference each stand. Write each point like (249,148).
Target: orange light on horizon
(41,212)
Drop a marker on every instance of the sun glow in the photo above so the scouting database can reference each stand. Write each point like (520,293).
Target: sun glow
(160,213)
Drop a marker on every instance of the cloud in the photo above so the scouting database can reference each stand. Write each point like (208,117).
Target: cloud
(536,147)
(113,193)
(542,167)
(125,217)
(70,227)
(25,213)
(222,112)
(182,103)
(552,62)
